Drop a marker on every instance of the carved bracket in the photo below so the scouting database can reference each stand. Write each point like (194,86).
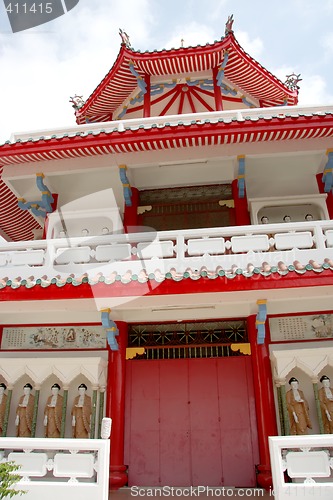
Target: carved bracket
(261,320)
(126,185)
(41,207)
(110,328)
(241,176)
(220,73)
(141,83)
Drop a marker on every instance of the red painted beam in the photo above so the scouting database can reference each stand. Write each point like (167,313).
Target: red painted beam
(169,286)
(194,130)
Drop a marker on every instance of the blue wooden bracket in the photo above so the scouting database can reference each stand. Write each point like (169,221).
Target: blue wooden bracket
(225,89)
(126,185)
(110,328)
(328,172)
(205,84)
(158,88)
(141,83)
(241,176)
(220,73)
(39,208)
(122,113)
(246,102)
(261,321)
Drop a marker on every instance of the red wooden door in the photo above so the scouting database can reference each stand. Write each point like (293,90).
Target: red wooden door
(191,422)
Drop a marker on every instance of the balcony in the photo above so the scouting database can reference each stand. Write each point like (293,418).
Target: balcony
(272,248)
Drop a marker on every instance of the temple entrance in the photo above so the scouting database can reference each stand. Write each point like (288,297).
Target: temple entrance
(191,422)
(187,207)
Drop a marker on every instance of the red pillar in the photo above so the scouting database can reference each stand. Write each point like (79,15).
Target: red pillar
(241,211)
(265,408)
(217,92)
(329,199)
(146,98)
(131,213)
(115,408)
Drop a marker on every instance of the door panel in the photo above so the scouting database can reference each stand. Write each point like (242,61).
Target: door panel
(237,453)
(144,431)
(204,423)
(174,424)
(191,422)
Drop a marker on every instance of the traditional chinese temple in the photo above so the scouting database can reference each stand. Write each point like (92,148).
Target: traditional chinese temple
(173,252)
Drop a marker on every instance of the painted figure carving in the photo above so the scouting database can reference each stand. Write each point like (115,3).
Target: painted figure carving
(53,413)
(3,402)
(326,404)
(24,412)
(298,409)
(81,414)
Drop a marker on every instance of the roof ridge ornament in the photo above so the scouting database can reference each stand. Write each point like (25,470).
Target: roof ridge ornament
(125,40)
(77,101)
(228,25)
(292,81)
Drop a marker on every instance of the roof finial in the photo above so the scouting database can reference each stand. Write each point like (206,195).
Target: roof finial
(292,81)
(182,42)
(228,25)
(125,38)
(77,102)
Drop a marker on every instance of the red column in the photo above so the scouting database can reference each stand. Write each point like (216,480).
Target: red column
(131,213)
(241,211)
(264,395)
(115,408)
(146,98)
(329,199)
(217,92)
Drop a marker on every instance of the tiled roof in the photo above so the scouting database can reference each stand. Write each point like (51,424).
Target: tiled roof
(142,277)
(188,130)
(241,69)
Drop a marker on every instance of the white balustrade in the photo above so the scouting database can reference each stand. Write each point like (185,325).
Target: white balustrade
(254,242)
(329,238)
(292,239)
(203,246)
(107,253)
(28,258)
(60,468)
(165,251)
(73,255)
(308,461)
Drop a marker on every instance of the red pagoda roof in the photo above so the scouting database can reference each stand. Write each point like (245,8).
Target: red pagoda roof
(241,69)
(159,133)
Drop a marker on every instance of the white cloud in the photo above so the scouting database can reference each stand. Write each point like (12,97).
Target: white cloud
(41,70)
(327,43)
(193,34)
(314,91)
(313,88)
(253,47)
(218,9)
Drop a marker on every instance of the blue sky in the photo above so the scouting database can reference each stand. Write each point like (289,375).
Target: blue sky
(42,67)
